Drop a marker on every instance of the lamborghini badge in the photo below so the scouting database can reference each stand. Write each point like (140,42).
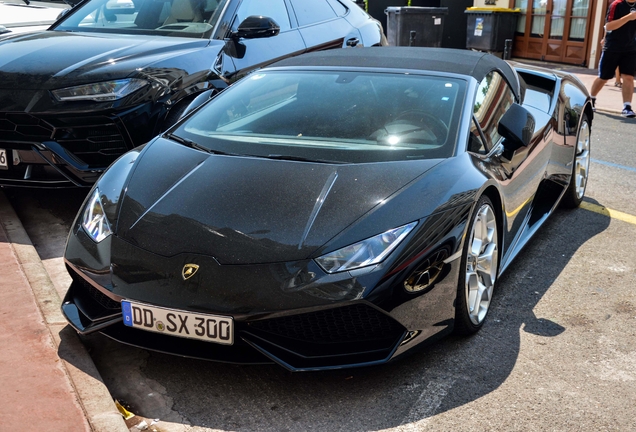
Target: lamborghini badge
(189,270)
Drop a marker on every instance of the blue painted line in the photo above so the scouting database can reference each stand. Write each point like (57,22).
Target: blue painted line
(628,168)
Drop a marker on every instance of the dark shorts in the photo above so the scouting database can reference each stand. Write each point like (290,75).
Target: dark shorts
(626,62)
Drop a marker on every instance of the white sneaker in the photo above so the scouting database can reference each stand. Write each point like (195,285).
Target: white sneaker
(627,112)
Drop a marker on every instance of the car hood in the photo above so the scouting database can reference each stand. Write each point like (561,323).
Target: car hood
(248,210)
(56,59)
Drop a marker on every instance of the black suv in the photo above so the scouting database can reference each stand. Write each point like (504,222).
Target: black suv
(111,74)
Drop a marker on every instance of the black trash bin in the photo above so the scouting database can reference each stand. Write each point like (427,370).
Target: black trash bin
(376,9)
(415,26)
(488,28)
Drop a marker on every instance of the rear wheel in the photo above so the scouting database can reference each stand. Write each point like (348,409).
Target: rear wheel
(580,167)
(479,266)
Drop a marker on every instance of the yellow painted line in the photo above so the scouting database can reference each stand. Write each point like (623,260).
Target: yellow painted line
(513,213)
(614,214)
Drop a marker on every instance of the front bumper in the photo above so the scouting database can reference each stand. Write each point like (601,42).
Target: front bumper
(342,335)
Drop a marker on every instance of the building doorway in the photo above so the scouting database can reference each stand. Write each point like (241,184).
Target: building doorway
(554,30)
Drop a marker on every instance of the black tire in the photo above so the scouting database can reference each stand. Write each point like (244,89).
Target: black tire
(482,241)
(580,167)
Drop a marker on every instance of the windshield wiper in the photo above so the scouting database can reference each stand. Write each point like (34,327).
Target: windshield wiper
(194,145)
(299,159)
(197,146)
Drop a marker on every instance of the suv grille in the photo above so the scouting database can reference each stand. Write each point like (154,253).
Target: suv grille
(97,141)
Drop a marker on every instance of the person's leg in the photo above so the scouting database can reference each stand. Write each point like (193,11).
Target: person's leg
(618,82)
(606,69)
(628,88)
(628,68)
(597,85)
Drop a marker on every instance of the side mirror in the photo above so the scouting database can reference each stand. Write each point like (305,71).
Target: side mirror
(62,14)
(197,102)
(255,26)
(517,127)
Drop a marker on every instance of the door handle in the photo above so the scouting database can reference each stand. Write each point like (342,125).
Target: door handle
(353,42)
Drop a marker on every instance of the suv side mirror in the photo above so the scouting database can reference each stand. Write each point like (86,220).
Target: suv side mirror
(517,127)
(256,26)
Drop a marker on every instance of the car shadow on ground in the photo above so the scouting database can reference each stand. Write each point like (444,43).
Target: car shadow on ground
(47,215)
(443,376)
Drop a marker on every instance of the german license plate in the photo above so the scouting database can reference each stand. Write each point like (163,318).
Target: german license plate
(210,328)
(3,159)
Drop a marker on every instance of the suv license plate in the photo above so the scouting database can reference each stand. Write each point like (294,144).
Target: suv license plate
(4,164)
(210,328)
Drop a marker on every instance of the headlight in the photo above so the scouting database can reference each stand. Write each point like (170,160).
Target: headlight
(103,91)
(94,220)
(367,252)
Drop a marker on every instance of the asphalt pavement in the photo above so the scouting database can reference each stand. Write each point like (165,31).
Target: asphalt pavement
(49,381)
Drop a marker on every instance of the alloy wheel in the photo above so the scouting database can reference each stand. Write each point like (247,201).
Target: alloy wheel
(582,159)
(481,264)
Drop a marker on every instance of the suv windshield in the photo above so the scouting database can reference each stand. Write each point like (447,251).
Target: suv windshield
(184,18)
(337,116)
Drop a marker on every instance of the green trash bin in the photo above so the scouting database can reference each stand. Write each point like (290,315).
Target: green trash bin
(415,26)
(489,27)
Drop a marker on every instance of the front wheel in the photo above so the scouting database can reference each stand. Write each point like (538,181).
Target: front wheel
(479,266)
(581,167)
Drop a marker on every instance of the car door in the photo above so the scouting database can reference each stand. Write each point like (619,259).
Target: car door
(322,25)
(244,55)
(519,173)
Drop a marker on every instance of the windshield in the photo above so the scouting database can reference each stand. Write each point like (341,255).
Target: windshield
(344,117)
(184,18)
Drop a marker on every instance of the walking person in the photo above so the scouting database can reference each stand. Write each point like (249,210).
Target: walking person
(619,50)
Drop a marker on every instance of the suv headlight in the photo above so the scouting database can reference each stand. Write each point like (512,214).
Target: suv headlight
(367,252)
(94,220)
(100,92)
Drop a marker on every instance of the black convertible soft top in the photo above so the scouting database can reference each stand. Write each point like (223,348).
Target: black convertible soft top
(463,62)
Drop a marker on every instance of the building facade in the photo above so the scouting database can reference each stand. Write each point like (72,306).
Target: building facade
(563,31)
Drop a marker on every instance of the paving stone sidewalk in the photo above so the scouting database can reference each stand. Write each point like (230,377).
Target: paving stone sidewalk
(48,381)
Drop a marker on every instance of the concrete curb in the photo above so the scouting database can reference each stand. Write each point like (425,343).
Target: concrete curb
(92,393)
(608,111)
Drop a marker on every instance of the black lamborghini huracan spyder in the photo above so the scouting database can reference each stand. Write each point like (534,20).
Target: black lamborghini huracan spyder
(333,210)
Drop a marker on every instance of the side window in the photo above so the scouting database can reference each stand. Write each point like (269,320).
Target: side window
(340,9)
(493,99)
(274,9)
(312,12)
